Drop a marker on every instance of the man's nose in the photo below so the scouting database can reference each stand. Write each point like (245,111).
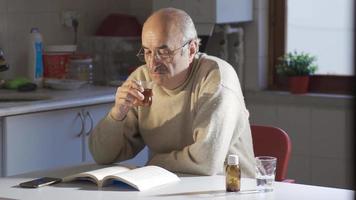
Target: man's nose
(154,61)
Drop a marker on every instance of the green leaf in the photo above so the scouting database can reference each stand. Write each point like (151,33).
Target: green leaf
(296,64)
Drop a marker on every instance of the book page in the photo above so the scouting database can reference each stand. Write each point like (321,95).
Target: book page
(98,174)
(145,177)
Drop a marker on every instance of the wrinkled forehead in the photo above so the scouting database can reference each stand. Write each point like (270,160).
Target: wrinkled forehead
(159,33)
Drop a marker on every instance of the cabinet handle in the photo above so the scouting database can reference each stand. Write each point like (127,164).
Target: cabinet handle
(82,125)
(91,123)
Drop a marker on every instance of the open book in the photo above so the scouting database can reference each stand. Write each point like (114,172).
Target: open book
(142,178)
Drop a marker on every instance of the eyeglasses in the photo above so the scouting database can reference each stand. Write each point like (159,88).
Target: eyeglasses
(162,54)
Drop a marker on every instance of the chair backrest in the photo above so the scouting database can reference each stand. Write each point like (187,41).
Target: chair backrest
(272,141)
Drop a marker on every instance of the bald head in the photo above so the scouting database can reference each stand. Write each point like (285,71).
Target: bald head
(164,34)
(174,23)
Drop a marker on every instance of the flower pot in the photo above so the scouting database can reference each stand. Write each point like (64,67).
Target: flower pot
(298,84)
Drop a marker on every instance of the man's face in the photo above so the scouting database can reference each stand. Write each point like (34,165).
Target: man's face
(166,57)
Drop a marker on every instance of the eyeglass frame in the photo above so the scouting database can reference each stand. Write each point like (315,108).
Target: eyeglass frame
(171,53)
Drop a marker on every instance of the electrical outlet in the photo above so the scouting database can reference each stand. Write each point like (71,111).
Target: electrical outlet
(68,16)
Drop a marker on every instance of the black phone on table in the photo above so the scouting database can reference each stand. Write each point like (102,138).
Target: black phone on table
(39,182)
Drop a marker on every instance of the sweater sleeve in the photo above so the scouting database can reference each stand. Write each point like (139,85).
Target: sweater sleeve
(113,141)
(213,127)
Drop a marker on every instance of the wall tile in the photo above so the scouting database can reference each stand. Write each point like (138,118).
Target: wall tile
(263,114)
(18,29)
(328,131)
(42,21)
(16,50)
(348,141)
(299,169)
(78,5)
(295,120)
(55,5)
(3,6)
(141,9)
(92,21)
(3,25)
(95,5)
(119,6)
(19,25)
(19,6)
(143,5)
(250,36)
(52,30)
(251,73)
(331,172)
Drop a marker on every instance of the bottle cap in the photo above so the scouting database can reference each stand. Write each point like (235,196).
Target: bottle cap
(232,160)
(34,30)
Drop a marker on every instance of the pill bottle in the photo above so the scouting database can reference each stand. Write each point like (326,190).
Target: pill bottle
(233,174)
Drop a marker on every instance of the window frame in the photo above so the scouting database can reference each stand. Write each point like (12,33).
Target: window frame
(330,84)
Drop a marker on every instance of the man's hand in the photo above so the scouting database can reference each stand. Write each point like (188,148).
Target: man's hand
(127,96)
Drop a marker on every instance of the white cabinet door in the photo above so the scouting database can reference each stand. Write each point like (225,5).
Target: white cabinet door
(47,140)
(92,116)
(41,141)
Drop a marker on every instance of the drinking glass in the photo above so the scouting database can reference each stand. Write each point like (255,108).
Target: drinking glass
(147,86)
(265,172)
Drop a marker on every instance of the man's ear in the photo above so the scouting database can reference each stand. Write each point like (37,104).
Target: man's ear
(193,49)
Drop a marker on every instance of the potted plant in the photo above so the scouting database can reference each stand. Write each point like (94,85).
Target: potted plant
(298,67)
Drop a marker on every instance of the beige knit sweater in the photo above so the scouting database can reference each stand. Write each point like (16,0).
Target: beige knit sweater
(190,129)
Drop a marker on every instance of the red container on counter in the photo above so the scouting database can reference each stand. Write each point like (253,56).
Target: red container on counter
(56,60)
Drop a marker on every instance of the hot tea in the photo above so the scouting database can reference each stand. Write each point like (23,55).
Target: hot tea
(147,86)
(147,101)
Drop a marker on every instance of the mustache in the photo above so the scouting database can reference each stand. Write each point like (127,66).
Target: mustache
(158,69)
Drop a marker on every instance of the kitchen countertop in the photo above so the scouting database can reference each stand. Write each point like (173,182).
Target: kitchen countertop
(56,99)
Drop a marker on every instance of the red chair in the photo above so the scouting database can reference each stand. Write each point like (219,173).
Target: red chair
(272,141)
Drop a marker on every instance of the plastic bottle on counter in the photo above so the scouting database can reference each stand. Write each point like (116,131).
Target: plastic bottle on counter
(35,61)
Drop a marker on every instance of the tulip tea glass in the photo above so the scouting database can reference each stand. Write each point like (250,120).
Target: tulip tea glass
(147,86)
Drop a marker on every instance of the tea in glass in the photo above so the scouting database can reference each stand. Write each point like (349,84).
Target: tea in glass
(147,86)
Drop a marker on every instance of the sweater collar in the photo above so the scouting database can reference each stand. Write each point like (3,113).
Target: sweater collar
(192,70)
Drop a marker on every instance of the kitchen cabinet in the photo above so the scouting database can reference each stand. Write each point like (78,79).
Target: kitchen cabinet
(45,140)
(211,11)
(51,139)
(206,13)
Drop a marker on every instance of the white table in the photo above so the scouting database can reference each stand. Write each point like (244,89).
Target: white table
(190,187)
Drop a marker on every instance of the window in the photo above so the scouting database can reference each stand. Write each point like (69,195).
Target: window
(323,28)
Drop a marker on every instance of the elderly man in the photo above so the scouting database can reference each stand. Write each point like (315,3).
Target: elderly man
(198,115)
